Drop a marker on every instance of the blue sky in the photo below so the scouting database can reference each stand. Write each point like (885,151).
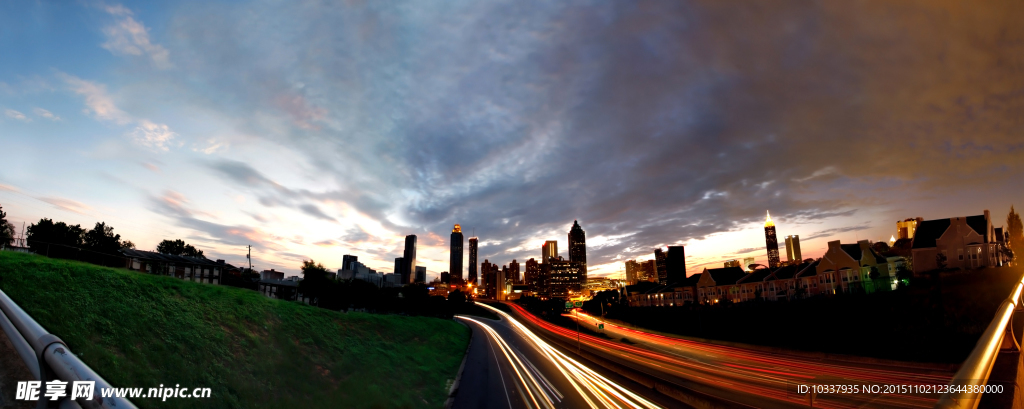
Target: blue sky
(317,129)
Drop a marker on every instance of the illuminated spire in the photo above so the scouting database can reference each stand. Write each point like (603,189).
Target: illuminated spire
(769,223)
(892,239)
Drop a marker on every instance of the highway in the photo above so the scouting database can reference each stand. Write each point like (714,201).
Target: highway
(508,366)
(744,377)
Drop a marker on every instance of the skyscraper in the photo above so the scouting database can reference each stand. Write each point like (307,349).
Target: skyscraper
(905,229)
(421,274)
(347,260)
(650,271)
(548,251)
(513,271)
(399,265)
(632,272)
(531,276)
(455,262)
(675,264)
(793,249)
(661,270)
(578,246)
(473,245)
(772,242)
(409,259)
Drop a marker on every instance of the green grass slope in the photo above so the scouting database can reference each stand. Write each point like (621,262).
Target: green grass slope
(140,330)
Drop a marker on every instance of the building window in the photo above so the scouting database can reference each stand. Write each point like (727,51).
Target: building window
(960,254)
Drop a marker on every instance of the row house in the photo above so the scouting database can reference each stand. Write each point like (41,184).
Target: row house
(848,268)
(197,269)
(782,283)
(754,285)
(672,295)
(719,284)
(957,242)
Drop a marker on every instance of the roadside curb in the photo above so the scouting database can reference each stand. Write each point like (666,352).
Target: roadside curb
(458,378)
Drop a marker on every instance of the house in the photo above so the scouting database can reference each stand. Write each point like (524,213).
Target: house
(719,284)
(187,268)
(850,267)
(957,242)
(754,285)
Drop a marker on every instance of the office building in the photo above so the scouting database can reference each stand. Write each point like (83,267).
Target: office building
(578,245)
(548,251)
(501,283)
(531,276)
(661,269)
(747,261)
(455,261)
(905,229)
(650,271)
(513,272)
(675,264)
(445,277)
(399,264)
(421,274)
(565,278)
(793,249)
(474,244)
(409,259)
(632,272)
(489,279)
(346,261)
(772,243)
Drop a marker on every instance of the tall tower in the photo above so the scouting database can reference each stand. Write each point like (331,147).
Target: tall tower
(578,247)
(455,262)
(409,259)
(548,251)
(474,243)
(675,264)
(793,249)
(513,270)
(661,275)
(772,242)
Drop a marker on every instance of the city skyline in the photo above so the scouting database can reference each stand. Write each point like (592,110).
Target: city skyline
(649,124)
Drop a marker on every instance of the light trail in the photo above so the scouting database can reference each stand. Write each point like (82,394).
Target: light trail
(596,390)
(746,371)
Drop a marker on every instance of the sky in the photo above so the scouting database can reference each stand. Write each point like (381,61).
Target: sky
(311,130)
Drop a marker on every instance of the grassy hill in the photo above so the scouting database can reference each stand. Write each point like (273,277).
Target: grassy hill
(140,330)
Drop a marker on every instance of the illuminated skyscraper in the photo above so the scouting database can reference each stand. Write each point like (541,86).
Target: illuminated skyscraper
(772,242)
(513,271)
(906,228)
(793,249)
(474,244)
(661,269)
(633,271)
(455,262)
(409,259)
(548,251)
(578,247)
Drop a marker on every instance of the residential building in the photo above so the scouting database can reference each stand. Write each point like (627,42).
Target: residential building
(421,274)
(548,251)
(474,244)
(677,294)
(771,242)
(271,275)
(197,269)
(782,283)
(849,268)
(719,284)
(754,285)
(793,249)
(958,242)
(455,259)
(409,259)
(578,245)
(907,228)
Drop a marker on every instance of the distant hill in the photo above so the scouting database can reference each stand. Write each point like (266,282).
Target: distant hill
(141,330)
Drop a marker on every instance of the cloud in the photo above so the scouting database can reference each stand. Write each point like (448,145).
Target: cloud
(17,115)
(46,114)
(146,133)
(9,188)
(832,232)
(67,204)
(130,37)
(314,211)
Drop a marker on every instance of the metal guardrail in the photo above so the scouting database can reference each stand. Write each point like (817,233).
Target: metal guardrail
(975,371)
(49,358)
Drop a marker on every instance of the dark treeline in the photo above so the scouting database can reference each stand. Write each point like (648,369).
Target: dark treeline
(99,245)
(342,295)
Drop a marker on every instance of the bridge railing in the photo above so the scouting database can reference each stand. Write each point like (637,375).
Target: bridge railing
(48,358)
(969,383)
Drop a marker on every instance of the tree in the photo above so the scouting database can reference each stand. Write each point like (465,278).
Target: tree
(1015,231)
(880,247)
(6,230)
(127,244)
(178,248)
(314,281)
(457,297)
(102,239)
(58,240)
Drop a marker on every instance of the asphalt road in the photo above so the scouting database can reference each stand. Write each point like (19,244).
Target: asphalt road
(507,366)
(747,377)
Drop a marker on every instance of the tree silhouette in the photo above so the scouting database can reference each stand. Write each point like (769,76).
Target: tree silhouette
(315,282)
(178,248)
(59,240)
(1015,231)
(6,230)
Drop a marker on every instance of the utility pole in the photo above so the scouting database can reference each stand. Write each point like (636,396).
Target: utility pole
(249,257)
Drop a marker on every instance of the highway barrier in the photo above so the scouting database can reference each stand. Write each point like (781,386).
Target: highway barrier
(49,358)
(969,383)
